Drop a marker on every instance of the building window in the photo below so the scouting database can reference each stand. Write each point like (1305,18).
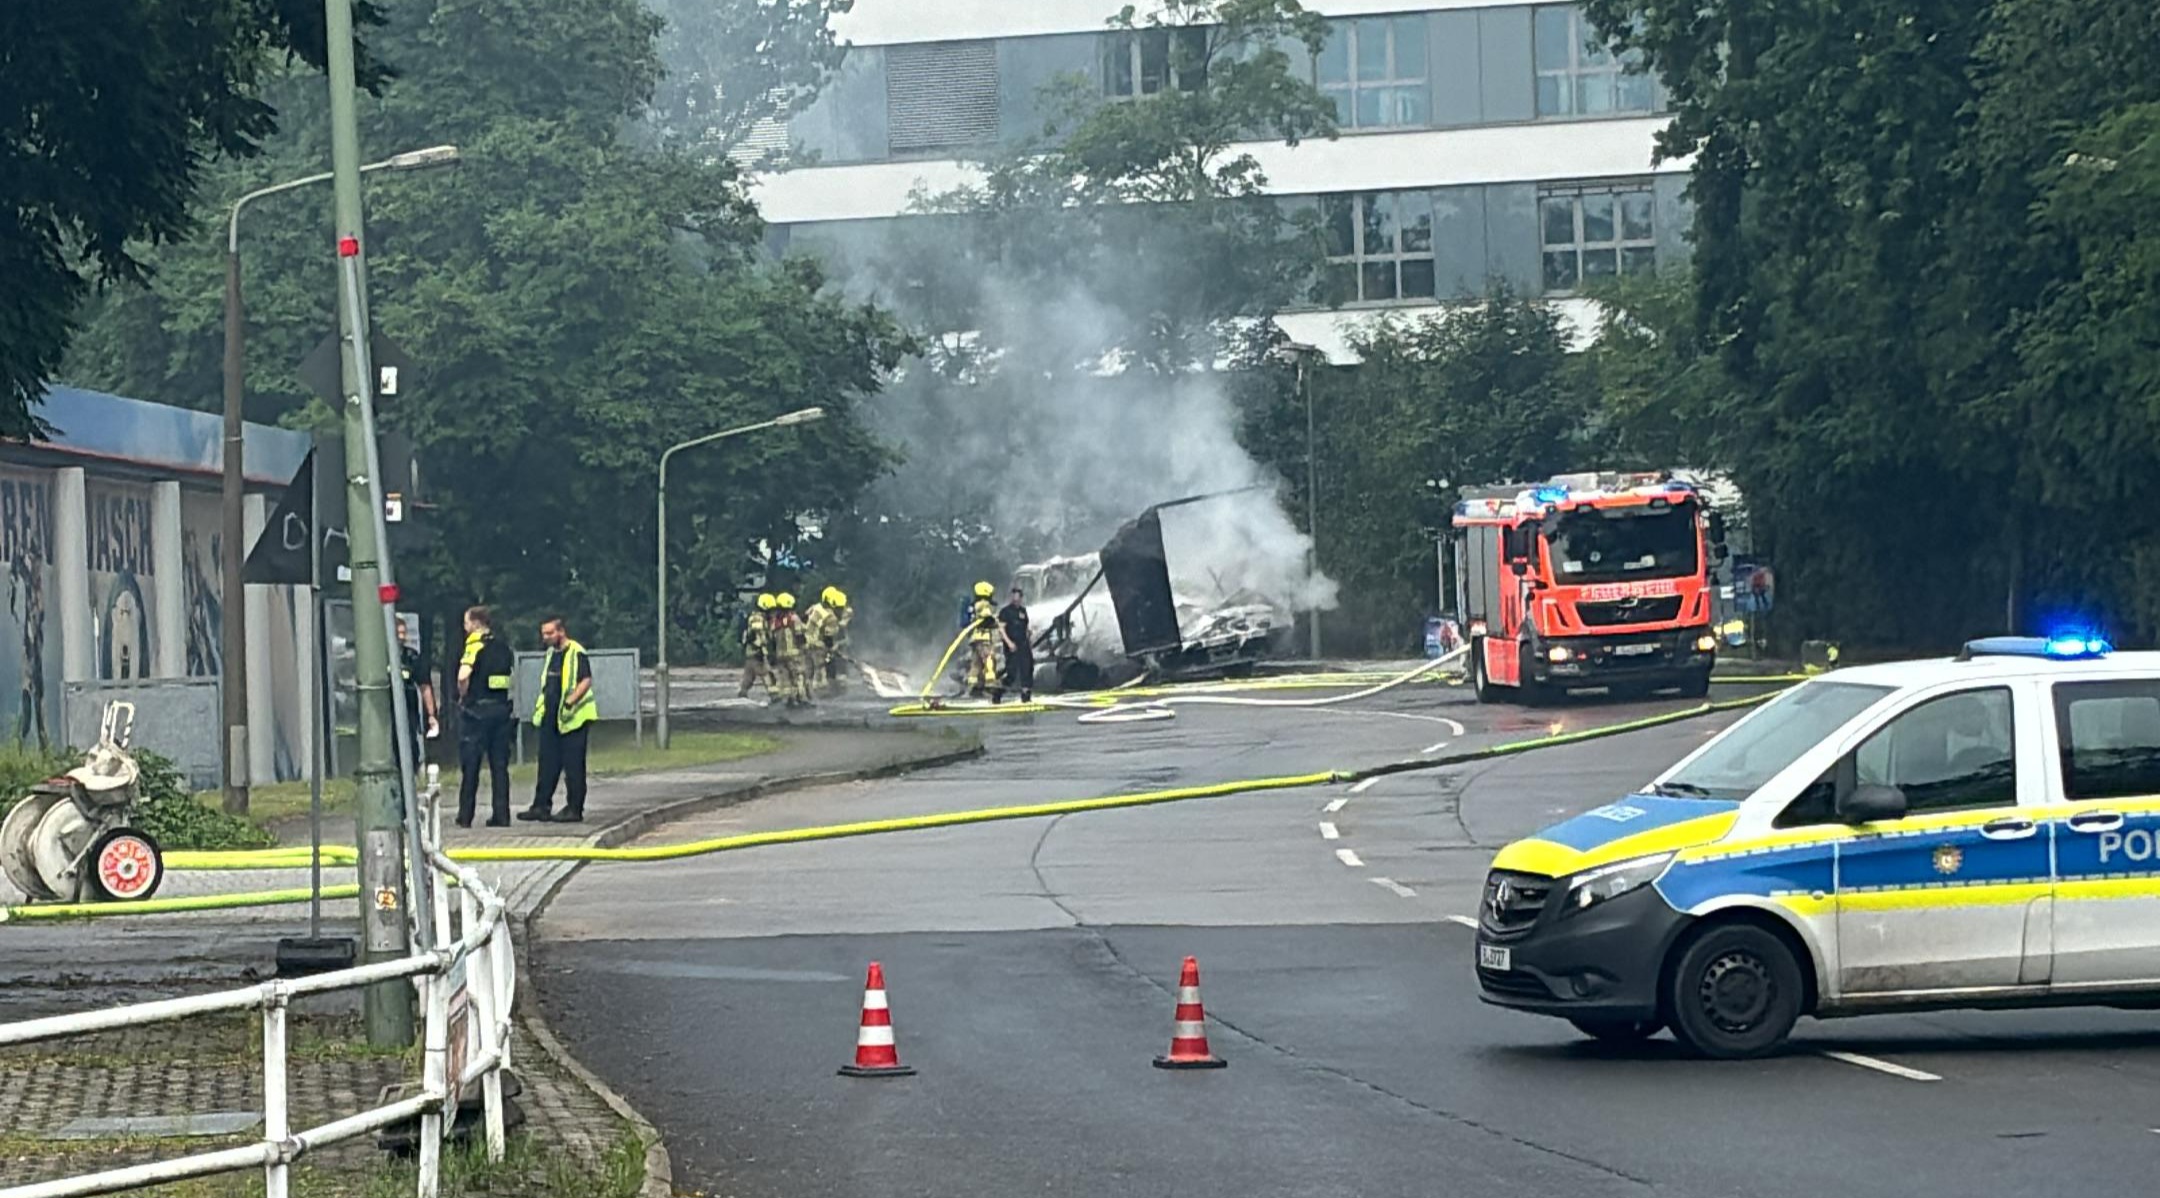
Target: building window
(1379,245)
(1592,233)
(1579,75)
(1141,63)
(1374,67)
(941,95)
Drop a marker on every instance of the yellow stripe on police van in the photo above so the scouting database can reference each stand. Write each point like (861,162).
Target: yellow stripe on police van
(1536,856)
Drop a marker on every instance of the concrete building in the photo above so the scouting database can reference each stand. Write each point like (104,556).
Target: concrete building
(1479,140)
(109,538)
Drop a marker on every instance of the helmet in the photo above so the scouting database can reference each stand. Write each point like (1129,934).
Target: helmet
(767,602)
(787,601)
(839,599)
(984,590)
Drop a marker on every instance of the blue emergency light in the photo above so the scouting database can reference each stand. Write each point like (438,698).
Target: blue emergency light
(1549,494)
(2062,646)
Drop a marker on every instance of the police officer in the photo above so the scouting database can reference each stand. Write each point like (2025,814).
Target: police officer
(565,709)
(420,708)
(757,647)
(483,687)
(1019,647)
(982,642)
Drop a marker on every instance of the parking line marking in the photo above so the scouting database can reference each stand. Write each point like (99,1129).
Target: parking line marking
(1362,787)
(1328,832)
(1401,891)
(1464,920)
(1882,1066)
(1349,857)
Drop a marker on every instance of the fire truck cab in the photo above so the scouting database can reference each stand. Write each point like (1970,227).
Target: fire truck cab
(1589,580)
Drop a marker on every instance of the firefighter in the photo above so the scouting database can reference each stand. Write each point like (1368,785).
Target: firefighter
(757,648)
(982,642)
(837,658)
(821,625)
(788,653)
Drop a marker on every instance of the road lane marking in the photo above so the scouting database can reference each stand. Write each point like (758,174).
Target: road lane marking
(1328,832)
(1362,787)
(1434,748)
(1882,1066)
(1464,920)
(1334,805)
(1401,891)
(1349,857)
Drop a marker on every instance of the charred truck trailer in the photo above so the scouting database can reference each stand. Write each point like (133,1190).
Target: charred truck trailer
(1585,581)
(1117,613)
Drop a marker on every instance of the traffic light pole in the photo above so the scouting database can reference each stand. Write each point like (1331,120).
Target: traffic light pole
(384,821)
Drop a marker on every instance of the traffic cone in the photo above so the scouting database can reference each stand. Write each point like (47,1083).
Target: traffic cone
(1188,1034)
(875,1053)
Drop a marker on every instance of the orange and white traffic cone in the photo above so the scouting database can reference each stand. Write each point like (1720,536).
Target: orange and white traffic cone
(875,1053)
(1188,1035)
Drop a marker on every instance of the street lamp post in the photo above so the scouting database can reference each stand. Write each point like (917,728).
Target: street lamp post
(660,667)
(232,616)
(1312,488)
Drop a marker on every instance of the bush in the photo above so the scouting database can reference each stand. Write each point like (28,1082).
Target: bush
(22,767)
(171,813)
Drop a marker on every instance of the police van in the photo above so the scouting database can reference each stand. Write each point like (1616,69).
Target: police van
(1976,832)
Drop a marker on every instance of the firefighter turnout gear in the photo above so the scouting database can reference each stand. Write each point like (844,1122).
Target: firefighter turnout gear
(982,673)
(757,647)
(821,628)
(789,653)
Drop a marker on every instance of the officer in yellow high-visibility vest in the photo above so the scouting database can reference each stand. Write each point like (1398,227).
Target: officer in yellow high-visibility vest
(483,687)
(563,713)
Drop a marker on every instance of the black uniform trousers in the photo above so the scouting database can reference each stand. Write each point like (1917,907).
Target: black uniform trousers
(562,759)
(484,736)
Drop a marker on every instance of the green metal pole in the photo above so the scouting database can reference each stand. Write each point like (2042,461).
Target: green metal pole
(386,1006)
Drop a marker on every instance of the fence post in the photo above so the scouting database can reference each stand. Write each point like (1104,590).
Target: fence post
(277,1119)
(434,1063)
(480,982)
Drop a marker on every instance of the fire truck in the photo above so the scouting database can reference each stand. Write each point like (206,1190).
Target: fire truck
(1588,580)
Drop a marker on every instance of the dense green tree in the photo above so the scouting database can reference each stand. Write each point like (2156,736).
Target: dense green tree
(109,112)
(733,64)
(573,304)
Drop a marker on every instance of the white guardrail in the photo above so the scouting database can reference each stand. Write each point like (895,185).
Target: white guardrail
(478,969)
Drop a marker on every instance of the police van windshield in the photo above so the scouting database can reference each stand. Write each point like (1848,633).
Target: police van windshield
(1754,751)
(1622,544)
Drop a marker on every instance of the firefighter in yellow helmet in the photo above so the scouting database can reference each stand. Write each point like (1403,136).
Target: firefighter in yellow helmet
(788,653)
(821,629)
(838,660)
(982,675)
(757,647)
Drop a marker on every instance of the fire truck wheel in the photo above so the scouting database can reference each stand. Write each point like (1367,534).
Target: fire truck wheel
(1480,684)
(125,864)
(1695,684)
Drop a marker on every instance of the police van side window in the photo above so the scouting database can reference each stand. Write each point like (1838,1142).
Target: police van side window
(2110,733)
(1953,753)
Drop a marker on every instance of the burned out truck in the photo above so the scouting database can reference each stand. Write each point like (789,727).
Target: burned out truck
(1132,608)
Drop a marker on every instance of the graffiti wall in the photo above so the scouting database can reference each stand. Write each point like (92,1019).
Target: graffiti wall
(202,539)
(122,589)
(30,640)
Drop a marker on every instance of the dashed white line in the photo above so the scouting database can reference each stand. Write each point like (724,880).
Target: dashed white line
(1434,748)
(1882,1066)
(1464,920)
(1401,891)
(1349,857)
(1337,803)
(1362,787)
(1328,832)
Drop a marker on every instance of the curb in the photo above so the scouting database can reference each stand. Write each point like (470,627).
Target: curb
(659,1166)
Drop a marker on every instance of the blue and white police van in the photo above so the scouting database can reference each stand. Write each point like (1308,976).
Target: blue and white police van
(1982,831)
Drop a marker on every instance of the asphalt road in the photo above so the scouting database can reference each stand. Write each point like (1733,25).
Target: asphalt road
(1031,968)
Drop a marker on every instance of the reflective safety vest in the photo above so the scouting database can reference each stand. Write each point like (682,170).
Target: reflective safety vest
(570,716)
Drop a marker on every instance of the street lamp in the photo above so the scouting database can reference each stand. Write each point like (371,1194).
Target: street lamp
(232,623)
(1312,485)
(660,668)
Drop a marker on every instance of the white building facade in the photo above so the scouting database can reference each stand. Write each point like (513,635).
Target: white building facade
(1479,141)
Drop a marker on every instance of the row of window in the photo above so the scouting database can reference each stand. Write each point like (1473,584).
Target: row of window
(1380,244)
(944,95)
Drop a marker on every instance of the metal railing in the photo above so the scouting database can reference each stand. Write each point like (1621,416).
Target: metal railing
(478,968)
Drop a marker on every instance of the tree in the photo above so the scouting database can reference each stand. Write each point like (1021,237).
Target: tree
(574,303)
(109,111)
(734,64)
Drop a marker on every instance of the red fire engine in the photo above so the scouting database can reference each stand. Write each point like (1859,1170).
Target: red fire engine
(1585,581)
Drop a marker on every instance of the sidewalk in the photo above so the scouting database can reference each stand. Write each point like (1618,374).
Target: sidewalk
(205,1067)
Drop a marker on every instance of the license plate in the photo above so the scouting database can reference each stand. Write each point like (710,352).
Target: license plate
(1495,957)
(1633,650)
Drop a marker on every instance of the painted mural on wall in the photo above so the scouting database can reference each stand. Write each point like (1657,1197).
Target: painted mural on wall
(122,590)
(30,643)
(202,540)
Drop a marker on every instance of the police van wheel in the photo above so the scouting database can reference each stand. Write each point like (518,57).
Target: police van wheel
(1618,1031)
(1735,992)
